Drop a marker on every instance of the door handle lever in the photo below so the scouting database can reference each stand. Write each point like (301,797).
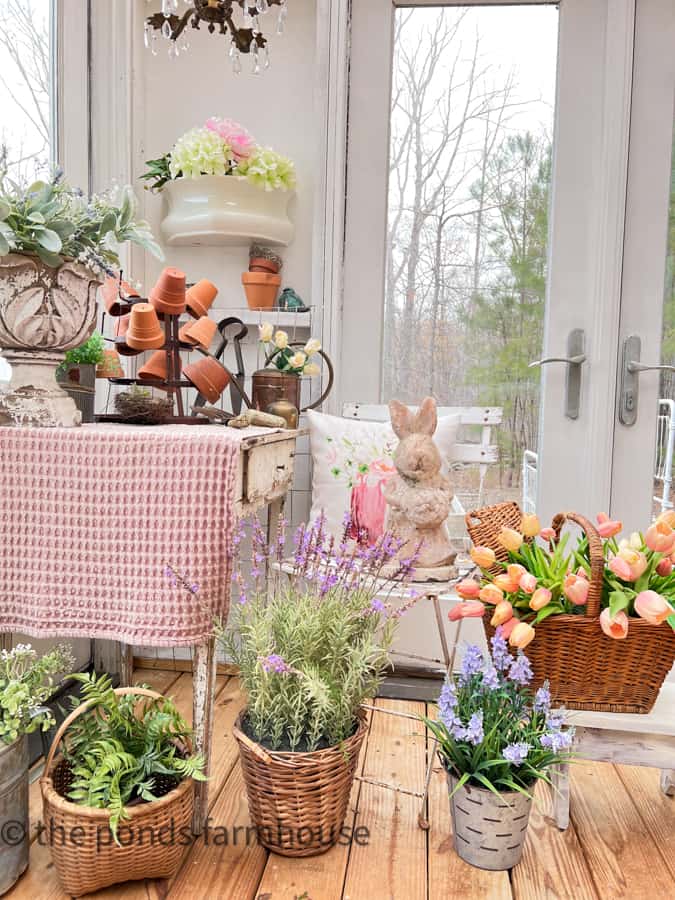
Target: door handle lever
(629,390)
(576,355)
(634,366)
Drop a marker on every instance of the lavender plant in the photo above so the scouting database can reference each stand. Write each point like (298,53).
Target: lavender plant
(311,649)
(26,683)
(492,731)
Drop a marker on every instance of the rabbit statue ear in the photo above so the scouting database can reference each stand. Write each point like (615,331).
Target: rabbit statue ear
(401,419)
(426,419)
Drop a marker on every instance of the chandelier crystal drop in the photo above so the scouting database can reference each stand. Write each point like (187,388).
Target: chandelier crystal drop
(238,20)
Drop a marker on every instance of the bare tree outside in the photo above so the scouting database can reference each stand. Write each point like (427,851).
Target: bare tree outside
(26,125)
(468,217)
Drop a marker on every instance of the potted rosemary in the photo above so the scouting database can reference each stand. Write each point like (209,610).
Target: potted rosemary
(495,740)
(26,683)
(310,650)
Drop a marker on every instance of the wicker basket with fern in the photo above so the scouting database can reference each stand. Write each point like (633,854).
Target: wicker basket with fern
(115,839)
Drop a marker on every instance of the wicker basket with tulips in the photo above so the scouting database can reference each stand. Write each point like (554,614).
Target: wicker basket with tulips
(598,614)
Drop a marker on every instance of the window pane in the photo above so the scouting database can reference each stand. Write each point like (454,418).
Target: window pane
(27,131)
(472,112)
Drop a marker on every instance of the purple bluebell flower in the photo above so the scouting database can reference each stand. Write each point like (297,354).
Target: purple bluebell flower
(516,753)
(521,670)
(500,651)
(456,729)
(275,663)
(472,662)
(555,719)
(491,678)
(447,703)
(557,741)
(542,699)
(474,730)
(377,605)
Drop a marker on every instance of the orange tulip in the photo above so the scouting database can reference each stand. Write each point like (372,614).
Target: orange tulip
(615,628)
(665,567)
(515,571)
(468,589)
(483,556)
(530,525)
(576,589)
(547,534)
(637,561)
(521,635)
(527,583)
(668,517)
(466,609)
(607,527)
(660,537)
(503,612)
(506,584)
(540,599)
(510,539)
(507,627)
(490,593)
(653,607)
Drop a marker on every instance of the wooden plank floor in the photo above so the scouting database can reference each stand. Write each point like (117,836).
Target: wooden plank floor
(617,845)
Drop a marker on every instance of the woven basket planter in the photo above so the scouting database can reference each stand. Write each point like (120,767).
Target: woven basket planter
(298,801)
(85,855)
(488,831)
(586,668)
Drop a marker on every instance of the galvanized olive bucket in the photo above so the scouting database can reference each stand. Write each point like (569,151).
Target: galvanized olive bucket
(13,811)
(489,832)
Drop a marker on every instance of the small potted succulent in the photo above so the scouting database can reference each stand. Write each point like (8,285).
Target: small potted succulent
(55,245)
(496,739)
(26,682)
(222,187)
(310,651)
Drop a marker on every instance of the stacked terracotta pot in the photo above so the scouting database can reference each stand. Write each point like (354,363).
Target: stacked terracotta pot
(262,281)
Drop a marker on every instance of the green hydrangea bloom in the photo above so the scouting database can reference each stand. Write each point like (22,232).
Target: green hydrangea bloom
(200,151)
(267,169)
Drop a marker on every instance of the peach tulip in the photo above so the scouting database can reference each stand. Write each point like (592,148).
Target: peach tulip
(620,567)
(576,589)
(540,599)
(637,561)
(607,527)
(506,584)
(665,567)
(510,539)
(515,571)
(668,517)
(503,612)
(616,627)
(530,525)
(468,589)
(483,556)
(521,635)
(653,607)
(508,626)
(660,538)
(490,593)
(466,609)
(527,583)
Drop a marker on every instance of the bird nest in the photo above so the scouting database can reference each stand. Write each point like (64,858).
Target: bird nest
(140,408)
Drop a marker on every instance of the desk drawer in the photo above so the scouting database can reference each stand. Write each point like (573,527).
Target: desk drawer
(268,471)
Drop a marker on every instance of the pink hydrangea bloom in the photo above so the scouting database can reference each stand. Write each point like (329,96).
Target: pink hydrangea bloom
(235,135)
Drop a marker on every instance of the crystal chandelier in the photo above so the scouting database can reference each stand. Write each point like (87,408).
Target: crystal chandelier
(246,37)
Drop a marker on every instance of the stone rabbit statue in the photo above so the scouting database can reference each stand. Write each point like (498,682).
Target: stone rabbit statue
(419,496)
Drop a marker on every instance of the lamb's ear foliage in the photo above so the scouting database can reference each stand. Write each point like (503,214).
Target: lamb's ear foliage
(119,748)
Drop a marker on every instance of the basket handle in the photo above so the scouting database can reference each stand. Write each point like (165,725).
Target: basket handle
(595,552)
(83,707)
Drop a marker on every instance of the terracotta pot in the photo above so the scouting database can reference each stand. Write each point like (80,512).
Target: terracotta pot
(261,264)
(122,325)
(200,297)
(124,349)
(110,366)
(115,294)
(155,369)
(270,385)
(168,294)
(200,332)
(208,376)
(261,289)
(144,332)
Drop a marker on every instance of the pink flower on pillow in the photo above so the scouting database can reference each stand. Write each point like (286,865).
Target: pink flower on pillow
(241,142)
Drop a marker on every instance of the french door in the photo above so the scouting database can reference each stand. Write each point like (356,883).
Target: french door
(508,188)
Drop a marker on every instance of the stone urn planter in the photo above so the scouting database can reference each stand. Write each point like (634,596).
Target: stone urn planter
(14,840)
(222,210)
(43,313)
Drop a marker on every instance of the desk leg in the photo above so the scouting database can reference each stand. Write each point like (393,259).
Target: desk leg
(668,782)
(560,795)
(203,692)
(275,510)
(116,659)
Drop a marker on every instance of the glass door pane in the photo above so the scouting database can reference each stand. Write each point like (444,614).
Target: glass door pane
(472,116)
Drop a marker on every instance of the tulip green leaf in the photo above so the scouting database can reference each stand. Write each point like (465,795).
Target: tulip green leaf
(4,245)
(5,210)
(546,611)
(618,601)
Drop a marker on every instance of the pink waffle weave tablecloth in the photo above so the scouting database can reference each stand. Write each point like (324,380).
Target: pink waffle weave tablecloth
(91,516)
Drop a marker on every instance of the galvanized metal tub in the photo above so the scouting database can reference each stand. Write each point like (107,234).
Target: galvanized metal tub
(13,811)
(489,831)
